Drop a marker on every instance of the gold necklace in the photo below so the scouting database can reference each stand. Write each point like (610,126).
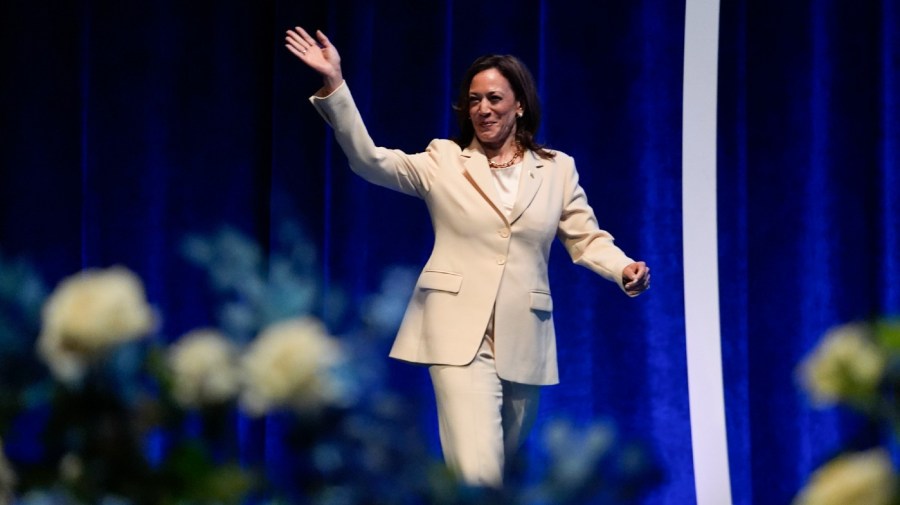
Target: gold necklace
(511,162)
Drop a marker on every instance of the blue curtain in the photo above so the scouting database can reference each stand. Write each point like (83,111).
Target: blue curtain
(126,126)
(809,176)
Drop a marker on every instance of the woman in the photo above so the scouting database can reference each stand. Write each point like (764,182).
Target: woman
(481,313)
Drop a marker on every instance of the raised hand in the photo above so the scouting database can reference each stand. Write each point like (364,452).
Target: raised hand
(320,55)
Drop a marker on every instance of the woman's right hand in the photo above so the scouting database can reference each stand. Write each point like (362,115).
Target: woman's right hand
(322,57)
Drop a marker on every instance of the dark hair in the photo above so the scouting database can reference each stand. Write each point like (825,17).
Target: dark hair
(522,84)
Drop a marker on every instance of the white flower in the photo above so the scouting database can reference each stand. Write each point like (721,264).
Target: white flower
(89,313)
(292,364)
(204,368)
(847,364)
(862,478)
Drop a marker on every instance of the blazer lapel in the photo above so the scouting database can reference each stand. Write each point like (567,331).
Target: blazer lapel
(529,182)
(477,172)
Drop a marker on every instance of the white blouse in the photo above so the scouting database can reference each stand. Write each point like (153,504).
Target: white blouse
(506,181)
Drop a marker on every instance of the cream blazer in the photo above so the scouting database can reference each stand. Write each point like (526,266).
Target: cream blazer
(483,262)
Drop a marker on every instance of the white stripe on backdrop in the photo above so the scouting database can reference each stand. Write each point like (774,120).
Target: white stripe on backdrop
(701,266)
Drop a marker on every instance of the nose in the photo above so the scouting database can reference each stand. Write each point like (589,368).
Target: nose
(483,108)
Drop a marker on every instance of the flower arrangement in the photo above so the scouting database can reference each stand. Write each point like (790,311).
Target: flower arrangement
(88,314)
(856,365)
(109,411)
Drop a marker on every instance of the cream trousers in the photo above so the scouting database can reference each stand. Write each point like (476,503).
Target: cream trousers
(483,419)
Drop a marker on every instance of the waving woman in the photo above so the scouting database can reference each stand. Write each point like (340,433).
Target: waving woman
(481,315)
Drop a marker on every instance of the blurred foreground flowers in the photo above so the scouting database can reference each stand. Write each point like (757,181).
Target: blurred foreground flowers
(203,369)
(88,314)
(292,364)
(265,405)
(857,365)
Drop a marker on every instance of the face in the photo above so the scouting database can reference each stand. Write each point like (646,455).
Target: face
(492,108)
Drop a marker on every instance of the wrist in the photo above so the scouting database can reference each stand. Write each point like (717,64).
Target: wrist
(332,82)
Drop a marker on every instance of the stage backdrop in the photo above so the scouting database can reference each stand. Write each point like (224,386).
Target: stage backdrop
(127,125)
(809,208)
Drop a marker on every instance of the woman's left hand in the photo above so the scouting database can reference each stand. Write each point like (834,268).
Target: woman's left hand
(636,278)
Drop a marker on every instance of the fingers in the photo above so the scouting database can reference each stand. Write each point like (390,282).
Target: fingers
(636,277)
(293,36)
(299,41)
(635,270)
(305,36)
(643,274)
(323,39)
(296,52)
(296,44)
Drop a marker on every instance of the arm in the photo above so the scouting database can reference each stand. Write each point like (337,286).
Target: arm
(593,248)
(393,169)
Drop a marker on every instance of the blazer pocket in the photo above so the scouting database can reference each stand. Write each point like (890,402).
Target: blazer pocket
(440,281)
(541,301)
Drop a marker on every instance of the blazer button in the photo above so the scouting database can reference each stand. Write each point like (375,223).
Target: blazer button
(503,233)
(501,260)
